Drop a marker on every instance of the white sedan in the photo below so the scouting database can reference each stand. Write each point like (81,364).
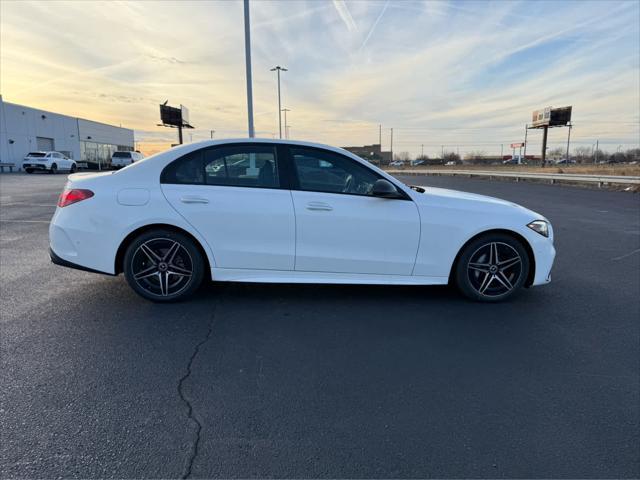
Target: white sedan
(51,162)
(256,210)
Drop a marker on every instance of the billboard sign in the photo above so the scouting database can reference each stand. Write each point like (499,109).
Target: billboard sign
(171,115)
(517,145)
(184,114)
(560,116)
(541,117)
(551,117)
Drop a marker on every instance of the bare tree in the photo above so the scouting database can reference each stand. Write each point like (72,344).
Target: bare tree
(582,154)
(452,157)
(402,156)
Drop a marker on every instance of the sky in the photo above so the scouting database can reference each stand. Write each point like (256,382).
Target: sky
(452,75)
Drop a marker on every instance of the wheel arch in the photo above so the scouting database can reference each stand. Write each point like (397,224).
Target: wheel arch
(515,235)
(155,226)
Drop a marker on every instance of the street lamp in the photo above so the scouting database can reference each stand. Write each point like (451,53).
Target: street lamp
(247,57)
(286,134)
(278,69)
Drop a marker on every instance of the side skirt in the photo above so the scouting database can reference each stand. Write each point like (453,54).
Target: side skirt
(286,276)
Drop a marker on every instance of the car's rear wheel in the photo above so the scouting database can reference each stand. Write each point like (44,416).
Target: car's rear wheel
(492,268)
(54,168)
(29,170)
(163,266)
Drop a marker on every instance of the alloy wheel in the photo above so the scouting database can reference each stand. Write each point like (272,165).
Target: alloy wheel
(494,269)
(162,267)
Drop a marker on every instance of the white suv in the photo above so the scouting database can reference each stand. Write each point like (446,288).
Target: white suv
(122,159)
(51,162)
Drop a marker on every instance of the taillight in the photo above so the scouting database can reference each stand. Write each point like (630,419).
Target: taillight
(75,195)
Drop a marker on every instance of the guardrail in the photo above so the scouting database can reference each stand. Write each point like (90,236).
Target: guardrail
(517,176)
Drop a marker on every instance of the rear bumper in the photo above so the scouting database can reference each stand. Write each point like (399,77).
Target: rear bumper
(66,263)
(35,166)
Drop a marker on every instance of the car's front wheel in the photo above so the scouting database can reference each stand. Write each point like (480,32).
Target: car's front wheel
(73,168)
(54,168)
(29,170)
(163,266)
(491,268)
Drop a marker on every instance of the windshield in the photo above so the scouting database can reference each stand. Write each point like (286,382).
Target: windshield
(122,155)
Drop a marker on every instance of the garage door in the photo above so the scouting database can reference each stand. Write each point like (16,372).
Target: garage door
(45,144)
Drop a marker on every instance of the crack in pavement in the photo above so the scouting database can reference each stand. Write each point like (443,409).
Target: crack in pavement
(190,413)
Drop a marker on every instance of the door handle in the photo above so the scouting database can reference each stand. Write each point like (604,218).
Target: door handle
(319,206)
(193,199)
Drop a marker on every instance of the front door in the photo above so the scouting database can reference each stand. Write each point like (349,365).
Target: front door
(232,196)
(340,226)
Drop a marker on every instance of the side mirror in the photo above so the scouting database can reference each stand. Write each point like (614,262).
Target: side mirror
(385,189)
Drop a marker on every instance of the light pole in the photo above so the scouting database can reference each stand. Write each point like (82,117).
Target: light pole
(286,132)
(212,132)
(279,69)
(247,57)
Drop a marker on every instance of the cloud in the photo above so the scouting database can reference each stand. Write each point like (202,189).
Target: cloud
(438,72)
(345,15)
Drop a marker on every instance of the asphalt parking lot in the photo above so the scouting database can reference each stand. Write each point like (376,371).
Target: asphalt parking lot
(252,380)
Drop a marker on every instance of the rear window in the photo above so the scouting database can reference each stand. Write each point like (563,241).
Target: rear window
(36,154)
(122,155)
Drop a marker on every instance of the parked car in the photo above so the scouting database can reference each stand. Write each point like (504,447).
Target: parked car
(51,162)
(122,159)
(415,163)
(450,163)
(565,162)
(396,163)
(257,210)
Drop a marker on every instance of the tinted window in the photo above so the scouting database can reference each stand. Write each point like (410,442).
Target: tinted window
(36,154)
(241,166)
(323,171)
(187,169)
(122,155)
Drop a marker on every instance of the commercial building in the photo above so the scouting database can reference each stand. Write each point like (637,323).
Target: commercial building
(24,129)
(373,153)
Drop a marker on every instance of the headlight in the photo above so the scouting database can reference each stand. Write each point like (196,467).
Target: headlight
(540,226)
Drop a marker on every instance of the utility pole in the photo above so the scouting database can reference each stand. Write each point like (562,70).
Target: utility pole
(526,130)
(422,154)
(442,154)
(212,132)
(247,56)
(278,69)
(595,159)
(286,134)
(501,150)
(391,144)
(380,136)
(568,140)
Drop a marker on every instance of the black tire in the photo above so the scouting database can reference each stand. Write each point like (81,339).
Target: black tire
(492,268)
(73,168)
(54,169)
(29,170)
(154,274)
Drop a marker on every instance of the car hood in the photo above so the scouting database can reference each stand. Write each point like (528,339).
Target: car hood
(443,197)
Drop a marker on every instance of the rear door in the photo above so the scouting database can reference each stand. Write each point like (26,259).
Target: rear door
(340,226)
(235,196)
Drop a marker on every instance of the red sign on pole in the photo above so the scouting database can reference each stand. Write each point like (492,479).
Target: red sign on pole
(517,145)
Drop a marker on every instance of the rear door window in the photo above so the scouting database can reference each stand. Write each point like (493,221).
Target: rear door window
(235,166)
